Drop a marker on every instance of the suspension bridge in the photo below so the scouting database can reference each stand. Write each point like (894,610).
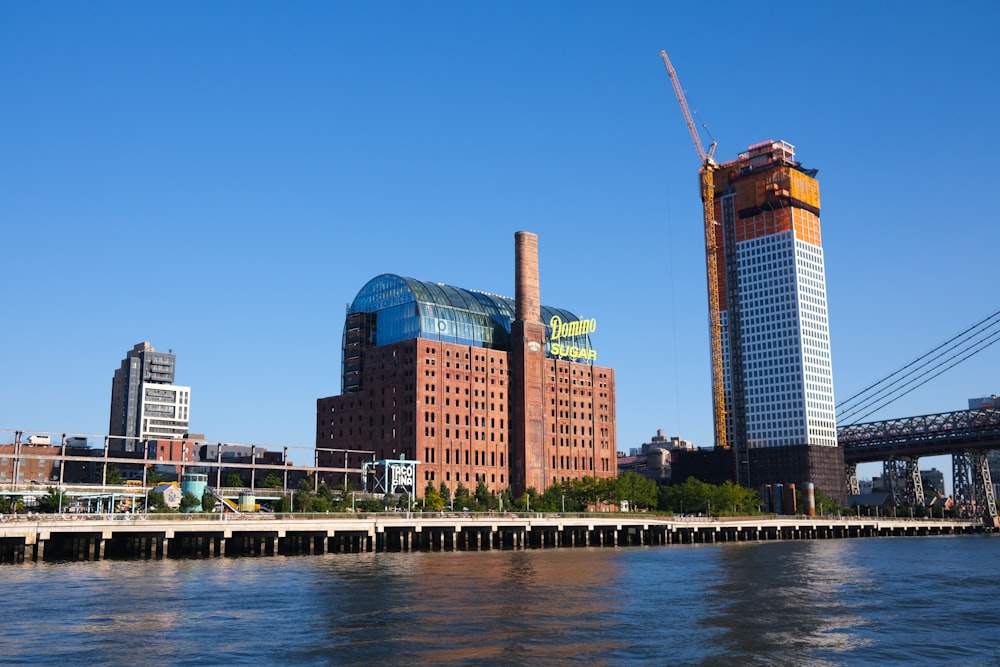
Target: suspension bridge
(968,436)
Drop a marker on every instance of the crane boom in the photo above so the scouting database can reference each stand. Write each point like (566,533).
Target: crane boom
(679,92)
(707,181)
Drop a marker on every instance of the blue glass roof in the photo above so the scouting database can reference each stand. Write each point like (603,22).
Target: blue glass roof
(407,308)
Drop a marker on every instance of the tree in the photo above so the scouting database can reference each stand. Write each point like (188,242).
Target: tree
(208,501)
(504,501)
(302,501)
(271,481)
(697,497)
(155,502)
(826,504)
(529,501)
(153,477)
(433,500)
(306,485)
(462,498)
(113,476)
(691,497)
(638,490)
(233,479)
(483,497)
(370,505)
(189,502)
(585,491)
(52,501)
(550,501)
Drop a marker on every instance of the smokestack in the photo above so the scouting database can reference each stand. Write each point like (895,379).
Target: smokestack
(527,369)
(527,300)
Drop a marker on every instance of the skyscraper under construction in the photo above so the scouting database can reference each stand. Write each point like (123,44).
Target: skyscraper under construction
(778,377)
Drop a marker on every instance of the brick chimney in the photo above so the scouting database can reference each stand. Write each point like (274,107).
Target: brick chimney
(527,365)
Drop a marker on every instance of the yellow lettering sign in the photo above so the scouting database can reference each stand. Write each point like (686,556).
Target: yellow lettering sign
(561,330)
(573,352)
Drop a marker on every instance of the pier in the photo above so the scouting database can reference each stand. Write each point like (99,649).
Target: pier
(148,537)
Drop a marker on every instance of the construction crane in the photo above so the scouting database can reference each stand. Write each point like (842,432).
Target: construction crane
(707,178)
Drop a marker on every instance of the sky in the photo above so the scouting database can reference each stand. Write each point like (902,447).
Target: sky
(221,179)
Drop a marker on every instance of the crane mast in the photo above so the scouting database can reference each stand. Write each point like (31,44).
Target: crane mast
(707,180)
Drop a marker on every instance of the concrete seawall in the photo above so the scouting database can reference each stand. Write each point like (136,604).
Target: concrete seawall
(138,537)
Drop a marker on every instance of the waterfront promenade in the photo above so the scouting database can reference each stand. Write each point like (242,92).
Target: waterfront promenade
(139,536)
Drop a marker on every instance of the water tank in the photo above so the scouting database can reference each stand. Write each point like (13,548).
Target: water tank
(248,501)
(194,483)
(809,498)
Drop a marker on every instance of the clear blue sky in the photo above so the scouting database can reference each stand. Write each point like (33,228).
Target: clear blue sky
(221,178)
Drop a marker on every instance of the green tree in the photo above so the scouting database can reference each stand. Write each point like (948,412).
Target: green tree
(446,494)
(307,484)
(462,498)
(691,497)
(504,501)
(483,498)
(114,476)
(729,498)
(189,502)
(585,491)
(529,501)
(370,505)
(549,501)
(233,480)
(301,502)
(326,492)
(828,505)
(639,491)
(52,501)
(271,481)
(155,502)
(208,501)
(153,477)
(320,504)
(433,500)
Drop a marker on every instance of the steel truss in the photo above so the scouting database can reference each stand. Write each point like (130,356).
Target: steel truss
(902,475)
(851,473)
(930,434)
(974,493)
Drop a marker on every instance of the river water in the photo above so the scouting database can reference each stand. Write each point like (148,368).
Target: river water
(877,601)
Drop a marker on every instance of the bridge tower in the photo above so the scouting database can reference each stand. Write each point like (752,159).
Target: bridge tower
(851,477)
(974,494)
(902,474)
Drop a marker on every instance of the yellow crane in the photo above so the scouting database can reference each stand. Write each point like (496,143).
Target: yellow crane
(707,178)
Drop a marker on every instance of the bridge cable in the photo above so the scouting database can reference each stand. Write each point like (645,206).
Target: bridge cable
(990,340)
(843,404)
(955,363)
(848,412)
(866,397)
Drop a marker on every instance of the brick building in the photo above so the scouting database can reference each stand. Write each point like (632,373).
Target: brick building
(39,461)
(477,387)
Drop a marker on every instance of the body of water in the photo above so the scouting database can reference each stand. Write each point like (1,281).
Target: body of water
(881,601)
